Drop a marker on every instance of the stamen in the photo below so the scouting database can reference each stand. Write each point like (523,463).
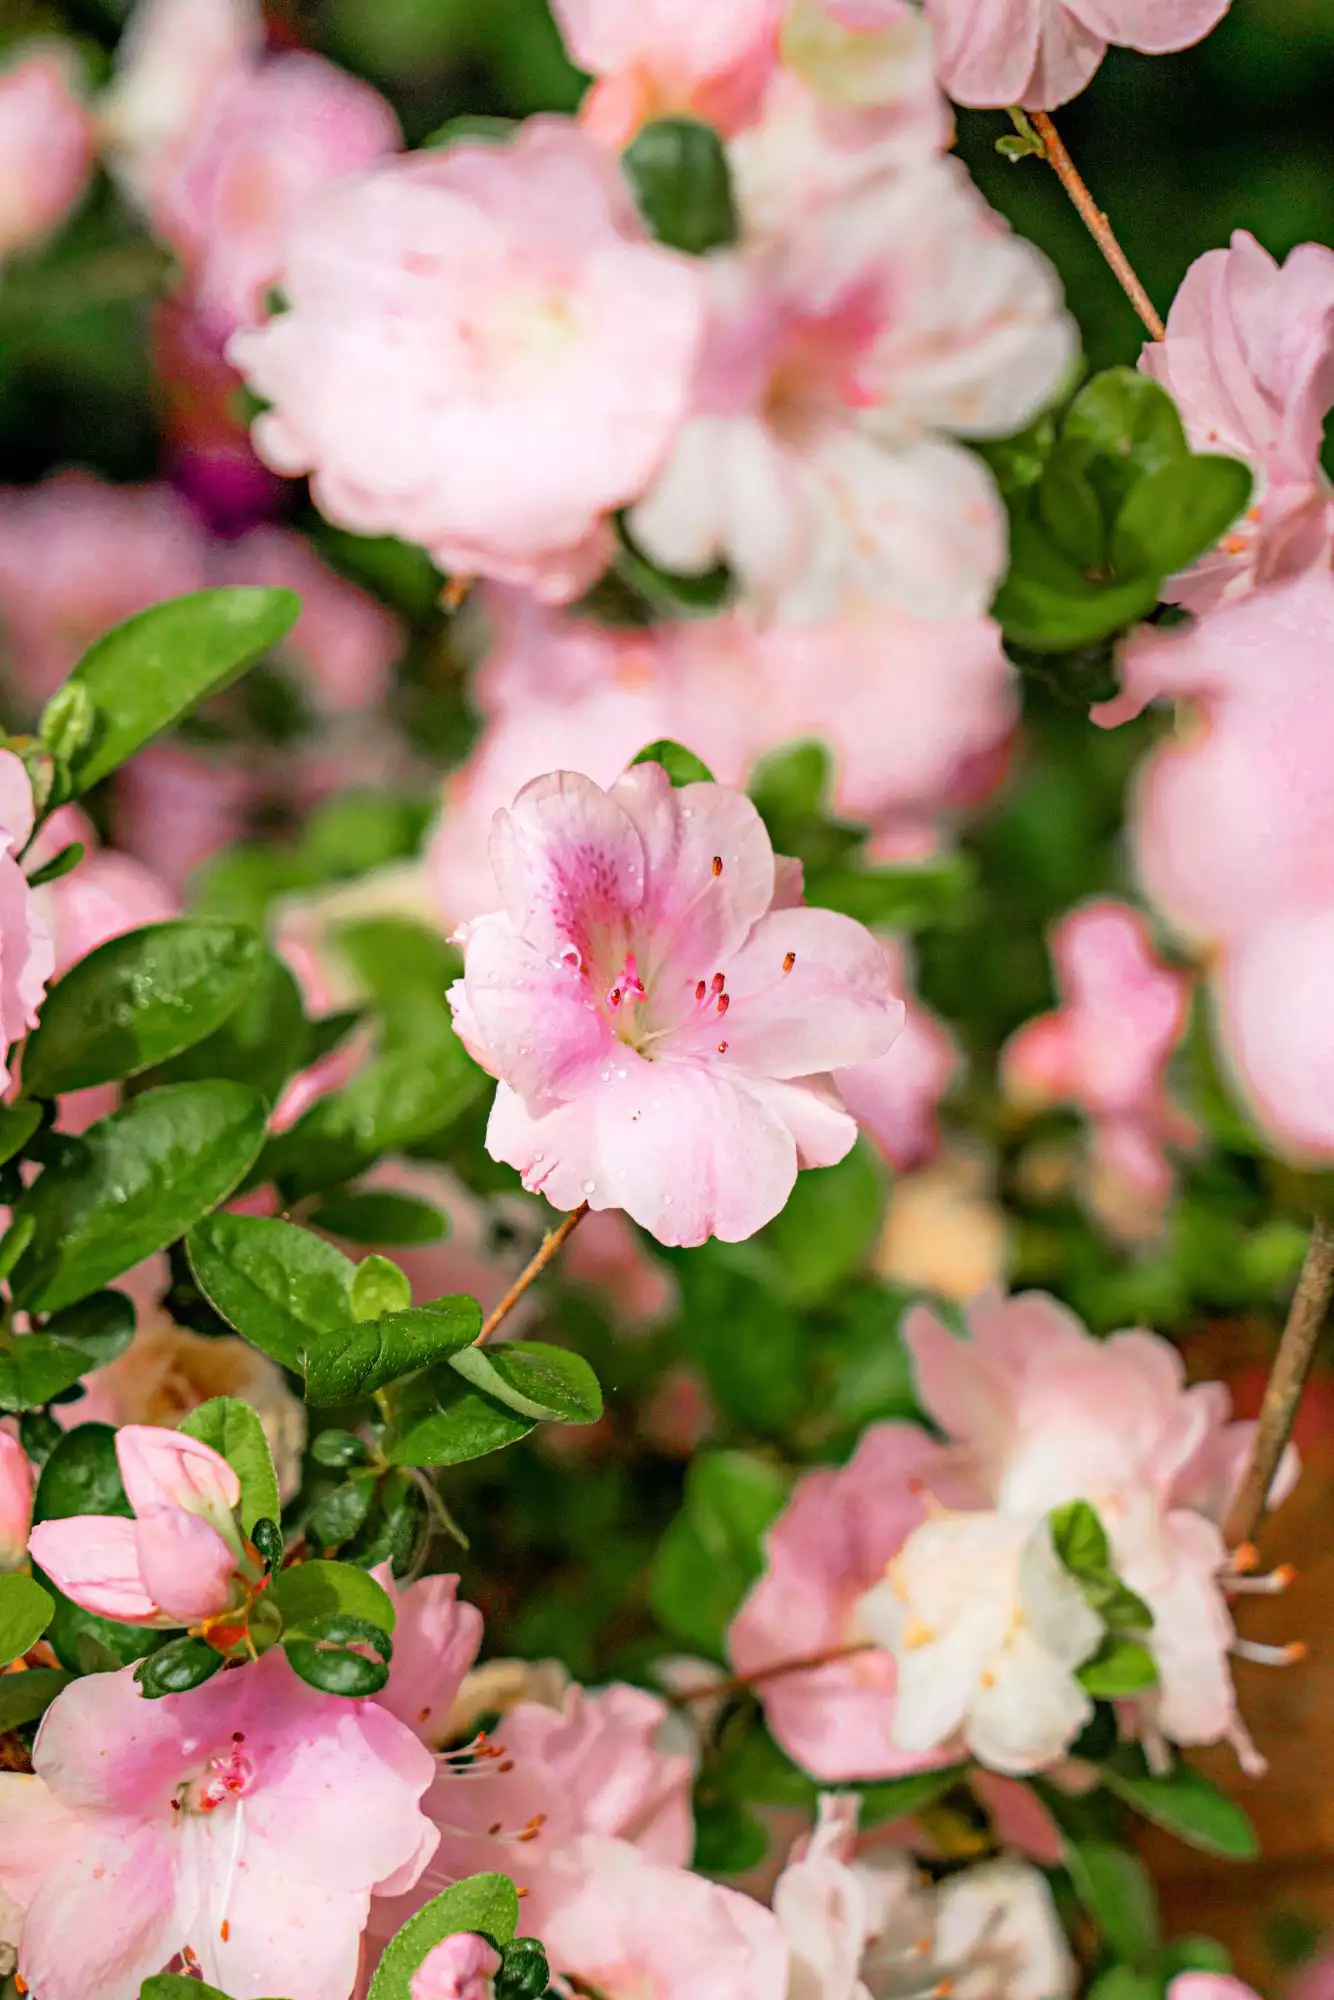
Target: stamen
(724,1002)
(718,982)
(789,961)
(1270,1656)
(700,990)
(717,864)
(1272,1585)
(1244,1558)
(225,1930)
(722,1048)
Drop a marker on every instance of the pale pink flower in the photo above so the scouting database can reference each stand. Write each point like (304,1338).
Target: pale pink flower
(27,956)
(435,1643)
(46,146)
(460,1967)
(175,1563)
(661,1028)
(173,58)
(484,354)
(103,896)
(1105,1049)
(77,556)
(826,1550)
(820,461)
(871,56)
(894,1098)
(269,140)
(344,644)
(17,1481)
(628,1926)
(659,58)
(1038,53)
(175,806)
(249,1820)
(1249,361)
(1214,1986)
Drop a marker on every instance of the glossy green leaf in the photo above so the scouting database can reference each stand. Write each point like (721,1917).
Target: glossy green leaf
(1069,511)
(439,1419)
(1049,606)
(145,674)
(312,1591)
(25,1612)
(338,1663)
(234,1431)
(137,1000)
(177,1667)
(682,766)
(549,1384)
(33,1369)
(353,1360)
(177,1986)
(679,173)
(25,1697)
(18,1122)
(1079,1538)
(1184,1803)
(342,1513)
(1120,427)
(1120,1667)
(374,1215)
(82,1476)
(486,1904)
(1115,1889)
(101,1326)
(1177,513)
(58,866)
(275,1283)
(378,1287)
(262,1042)
(132,1183)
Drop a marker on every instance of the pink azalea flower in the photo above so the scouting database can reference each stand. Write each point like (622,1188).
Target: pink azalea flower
(655,58)
(1106,1050)
(1249,362)
(175,1562)
(27,956)
(840,368)
(825,1552)
(1038,53)
(17,1482)
(660,1021)
(435,1643)
(344,644)
(171,61)
(460,1967)
(894,1098)
(106,895)
(249,1822)
(541,350)
(269,140)
(46,146)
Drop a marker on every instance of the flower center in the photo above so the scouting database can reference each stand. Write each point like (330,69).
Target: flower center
(227,1777)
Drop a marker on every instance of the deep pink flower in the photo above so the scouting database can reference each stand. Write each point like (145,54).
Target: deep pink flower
(484,354)
(1249,362)
(250,1821)
(661,1026)
(175,1562)
(46,146)
(655,58)
(27,956)
(1038,53)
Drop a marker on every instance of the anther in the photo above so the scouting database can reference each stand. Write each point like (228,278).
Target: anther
(717,864)
(701,990)
(225,1930)
(722,1048)
(789,961)
(493,1829)
(718,982)
(508,1765)
(724,1002)
(1245,1557)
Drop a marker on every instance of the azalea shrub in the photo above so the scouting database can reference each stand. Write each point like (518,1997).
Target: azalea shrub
(667,1084)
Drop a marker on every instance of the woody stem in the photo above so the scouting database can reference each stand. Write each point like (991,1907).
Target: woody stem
(1099,228)
(536,1265)
(740,1683)
(1287,1378)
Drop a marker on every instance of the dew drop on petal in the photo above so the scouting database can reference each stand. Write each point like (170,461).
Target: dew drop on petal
(589,1186)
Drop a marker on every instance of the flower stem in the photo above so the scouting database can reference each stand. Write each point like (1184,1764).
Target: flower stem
(740,1683)
(1099,228)
(1287,1378)
(534,1268)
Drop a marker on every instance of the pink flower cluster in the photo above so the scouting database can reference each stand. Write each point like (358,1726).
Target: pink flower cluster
(46,146)
(934,1563)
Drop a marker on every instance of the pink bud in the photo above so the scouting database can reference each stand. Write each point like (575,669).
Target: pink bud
(185,1564)
(16,1485)
(460,1967)
(94,1559)
(163,1468)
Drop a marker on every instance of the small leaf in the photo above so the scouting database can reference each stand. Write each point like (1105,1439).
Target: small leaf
(26,1696)
(891,1799)
(177,1986)
(1079,1539)
(524,1972)
(354,1360)
(234,1431)
(325,1657)
(372,1215)
(14,1242)
(1049,606)
(1070,513)
(338,1450)
(177,1667)
(438,1419)
(268,1539)
(344,1512)
(67,721)
(275,1283)
(379,1287)
(25,1612)
(682,766)
(549,1384)
(1119,1668)
(58,866)
(678,170)
(1177,513)
(311,1591)
(82,1476)
(1184,1803)
(143,675)
(131,1184)
(1114,1888)
(18,1122)
(484,1904)
(1122,426)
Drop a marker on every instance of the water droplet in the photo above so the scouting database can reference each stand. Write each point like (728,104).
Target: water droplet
(667,1201)
(494,978)
(523,1050)
(589,1186)
(538,1159)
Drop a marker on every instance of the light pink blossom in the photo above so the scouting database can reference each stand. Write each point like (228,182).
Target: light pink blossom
(249,1820)
(436,1638)
(175,806)
(460,1967)
(826,1550)
(175,1563)
(344,644)
(484,354)
(659,58)
(103,896)
(1249,361)
(27,956)
(173,58)
(1211,1986)
(1038,53)
(46,146)
(661,1028)
(870,56)
(894,1098)
(17,1482)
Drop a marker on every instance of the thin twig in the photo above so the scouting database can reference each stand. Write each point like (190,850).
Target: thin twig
(1287,1378)
(1099,228)
(740,1683)
(534,1268)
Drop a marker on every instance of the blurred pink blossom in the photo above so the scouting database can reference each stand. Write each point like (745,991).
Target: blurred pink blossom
(173,58)
(460,1967)
(659,58)
(690,1102)
(104,895)
(894,1098)
(484,354)
(27,955)
(1038,53)
(344,644)
(46,145)
(175,806)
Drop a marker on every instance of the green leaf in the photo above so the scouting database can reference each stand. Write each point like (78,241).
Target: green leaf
(372,1215)
(678,171)
(101,1326)
(1178,512)
(830,1224)
(1115,1889)
(26,1696)
(1122,426)
(524,1973)
(68,721)
(353,1360)
(550,1384)
(329,1659)
(176,1986)
(275,1283)
(379,1287)
(1069,511)
(359,829)
(711,1553)
(143,675)
(310,1592)
(682,766)
(1184,1803)
(82,1476)
(25,1612)
(1126,1982)
(911,897)
(177,1667)
(728,1839)
(18,1122)
(891,1799)
(133,1183)
(1116,1604)
(486,1904)
(58,866)
(262,1042)
(1120,1667)
(14,1242)
(1049,606)
(234,1431)
(137,1000)
(741,1329)
(438,1419)
(344,1512)
(33,1369)
(1079,1539)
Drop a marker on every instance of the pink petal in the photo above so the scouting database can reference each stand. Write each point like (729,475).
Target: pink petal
(436,1640)
(94,1559)
(163,1468)
(569,862)
(833,1007)
(37,1833)
(185,1565)
(106,1917)
(697,915)
(530,1015)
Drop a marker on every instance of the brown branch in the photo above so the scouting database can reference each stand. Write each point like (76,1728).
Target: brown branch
(740,1683)
(536,1265)
(1287,1378)
(1099,228)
